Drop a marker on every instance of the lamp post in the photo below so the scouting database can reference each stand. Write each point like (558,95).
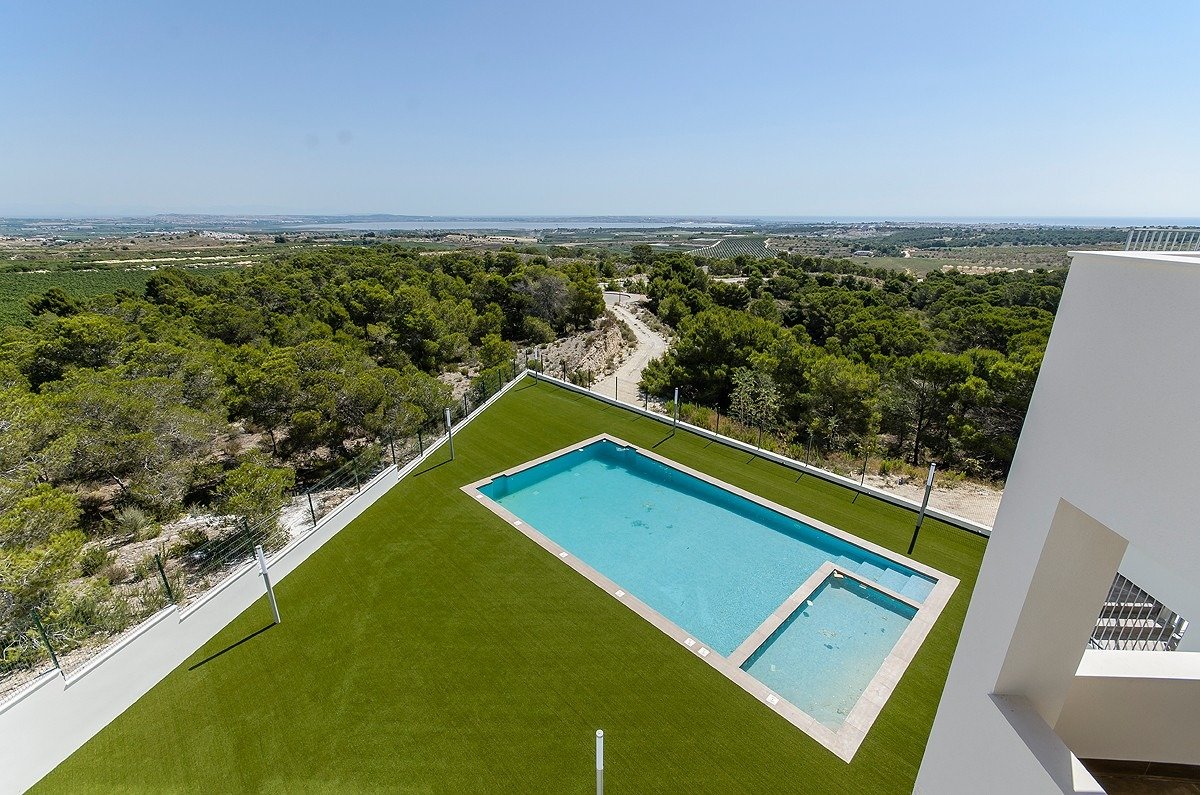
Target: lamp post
(924,504)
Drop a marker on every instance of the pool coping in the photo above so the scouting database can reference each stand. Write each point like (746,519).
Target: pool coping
(843,742)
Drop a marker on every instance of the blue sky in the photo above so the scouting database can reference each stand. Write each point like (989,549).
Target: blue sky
(847,108)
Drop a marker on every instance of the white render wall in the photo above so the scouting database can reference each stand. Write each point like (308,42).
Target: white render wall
(1134,705)
(1113,430)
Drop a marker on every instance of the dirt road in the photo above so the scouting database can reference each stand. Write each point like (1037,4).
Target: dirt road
(650,345)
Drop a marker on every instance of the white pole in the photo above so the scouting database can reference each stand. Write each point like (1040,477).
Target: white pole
(599,761)
(262,568)
(450,434)
(676,407)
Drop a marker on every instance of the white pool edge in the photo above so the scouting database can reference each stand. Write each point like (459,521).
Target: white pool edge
(845,741)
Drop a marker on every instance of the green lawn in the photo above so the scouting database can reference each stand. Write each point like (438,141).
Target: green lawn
(431,647)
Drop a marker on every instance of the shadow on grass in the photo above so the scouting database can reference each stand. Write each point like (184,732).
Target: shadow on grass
(232,646)
(432,467)
(660,441)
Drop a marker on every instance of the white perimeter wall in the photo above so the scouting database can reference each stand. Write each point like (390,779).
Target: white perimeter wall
(53,717)
(1113,430)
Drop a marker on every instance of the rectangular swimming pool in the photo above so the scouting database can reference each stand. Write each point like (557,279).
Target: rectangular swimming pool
(805,612)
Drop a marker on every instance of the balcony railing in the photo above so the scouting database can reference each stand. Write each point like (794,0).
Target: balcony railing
(1133,619)
(1163,239)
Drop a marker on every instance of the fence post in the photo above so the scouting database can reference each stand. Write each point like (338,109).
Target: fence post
(718,431)
(675,424)
(354,469)
(311,510)
(924,503)
(162,572)
(599,761)
(46,639)
(450,434)
(262,567)
(862,478)
(420,440)
(392,444)
(616,388)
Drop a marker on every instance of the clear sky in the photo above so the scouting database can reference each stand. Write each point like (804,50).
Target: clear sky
(1051,108)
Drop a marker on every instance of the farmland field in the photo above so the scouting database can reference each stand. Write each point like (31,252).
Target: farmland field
(16,287)
(733,245)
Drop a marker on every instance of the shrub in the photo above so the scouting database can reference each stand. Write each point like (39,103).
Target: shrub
(113,573)
(131,520)
(145,567)
(189,540)
(92,560)
(537,331)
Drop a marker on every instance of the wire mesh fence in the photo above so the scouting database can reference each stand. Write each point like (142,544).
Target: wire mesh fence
(180,571)
(863,461)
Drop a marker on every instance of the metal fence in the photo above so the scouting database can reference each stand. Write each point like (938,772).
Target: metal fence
(859,460)
(1163,239)
(1132,619)
(181,571)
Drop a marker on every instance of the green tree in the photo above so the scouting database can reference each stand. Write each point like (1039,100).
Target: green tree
(255,490)
(755,401)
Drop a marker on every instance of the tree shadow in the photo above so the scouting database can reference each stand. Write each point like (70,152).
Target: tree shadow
(232,646)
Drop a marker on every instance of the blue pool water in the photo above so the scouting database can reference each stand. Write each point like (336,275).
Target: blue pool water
(824,655)
(714,563)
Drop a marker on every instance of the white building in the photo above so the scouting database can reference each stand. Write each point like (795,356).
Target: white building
(1106,478)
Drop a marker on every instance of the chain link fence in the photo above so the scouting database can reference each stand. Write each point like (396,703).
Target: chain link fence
(972,499)
(861,460)
(180,571)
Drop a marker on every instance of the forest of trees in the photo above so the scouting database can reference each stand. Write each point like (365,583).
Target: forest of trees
(847,355)
(215,392)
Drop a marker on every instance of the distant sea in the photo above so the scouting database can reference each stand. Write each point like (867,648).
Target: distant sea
(609,222)
(492,225)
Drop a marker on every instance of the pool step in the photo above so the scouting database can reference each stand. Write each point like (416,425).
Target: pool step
(893,579)
(917,588)
(846,564)
(869,570)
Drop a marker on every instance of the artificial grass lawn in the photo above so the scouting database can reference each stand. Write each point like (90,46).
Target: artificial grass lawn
(429,646)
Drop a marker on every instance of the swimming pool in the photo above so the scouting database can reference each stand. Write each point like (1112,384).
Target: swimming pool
(805,612)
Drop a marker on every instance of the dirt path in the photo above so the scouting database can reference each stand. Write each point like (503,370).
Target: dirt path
(973,501)
(650,345)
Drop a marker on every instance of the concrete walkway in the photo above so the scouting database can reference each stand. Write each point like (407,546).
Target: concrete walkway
(650,345)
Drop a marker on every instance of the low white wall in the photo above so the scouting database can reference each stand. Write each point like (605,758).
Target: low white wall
(55,714)
(1134,705)
(800,466)
(53,717)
